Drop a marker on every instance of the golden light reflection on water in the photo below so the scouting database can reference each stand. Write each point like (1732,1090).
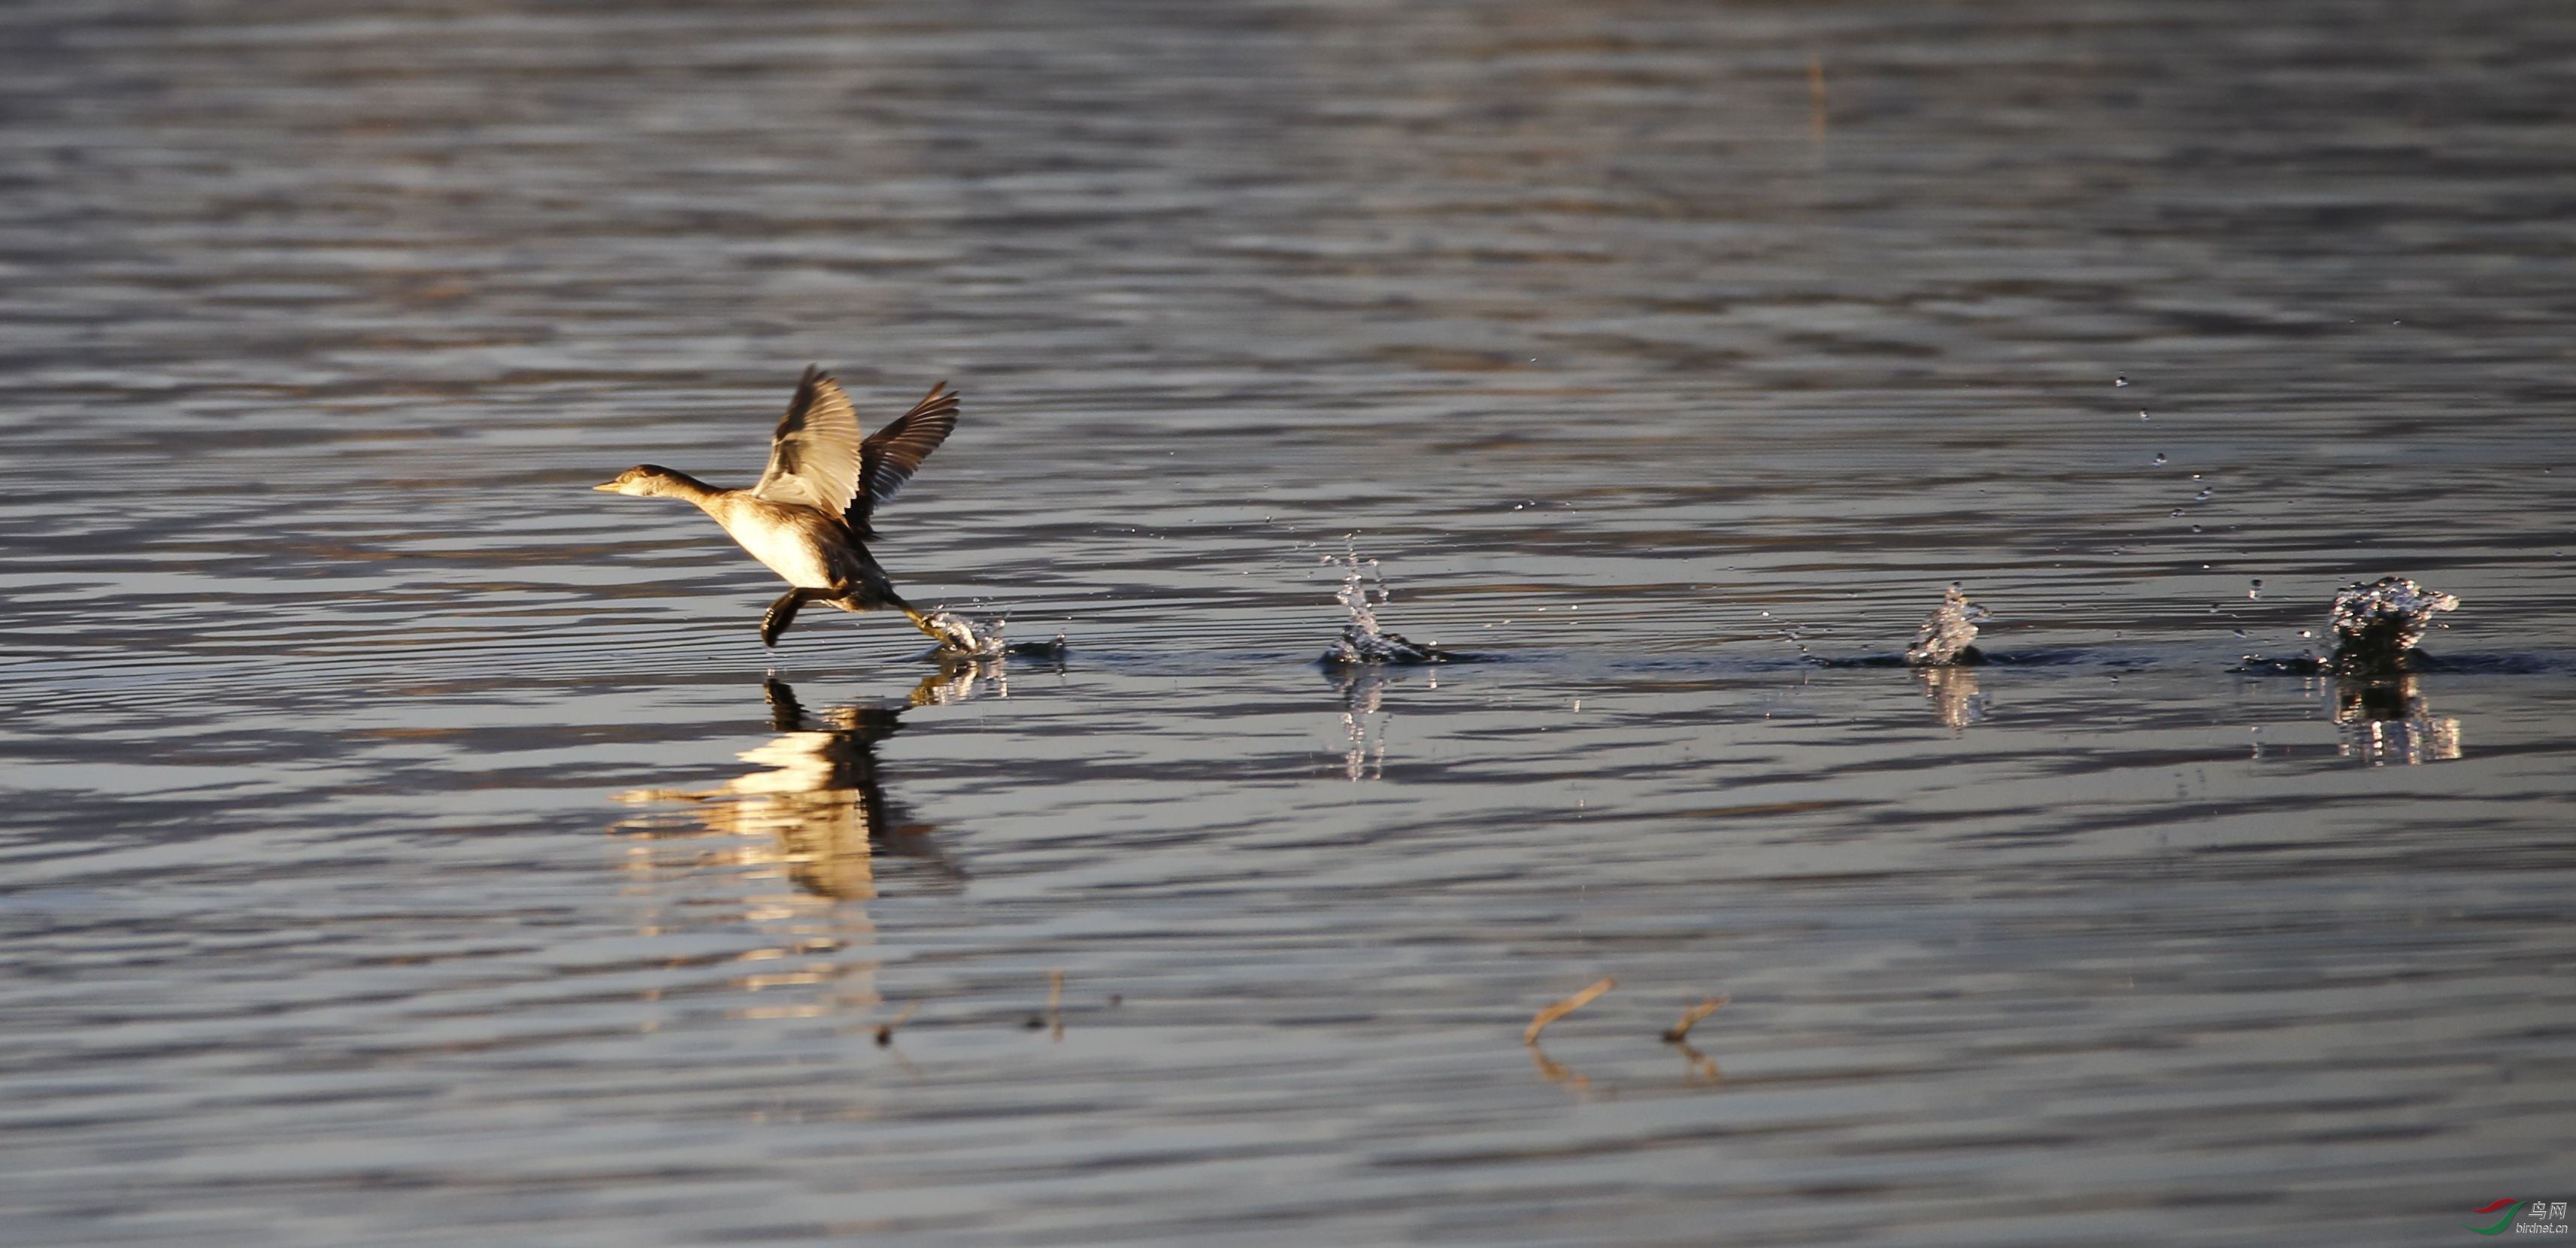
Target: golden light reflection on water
(2388,722)
(1953,694)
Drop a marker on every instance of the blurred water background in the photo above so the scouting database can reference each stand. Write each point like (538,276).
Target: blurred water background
(406,845)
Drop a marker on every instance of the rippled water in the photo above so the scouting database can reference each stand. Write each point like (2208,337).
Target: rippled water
(408,845)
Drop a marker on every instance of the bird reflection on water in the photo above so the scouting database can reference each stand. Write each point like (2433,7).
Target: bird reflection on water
(818,798)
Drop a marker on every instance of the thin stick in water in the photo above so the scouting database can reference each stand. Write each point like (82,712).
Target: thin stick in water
(885,1031)
(1703,1068)
(1567,1006)
(1690,1018)
(1816,98)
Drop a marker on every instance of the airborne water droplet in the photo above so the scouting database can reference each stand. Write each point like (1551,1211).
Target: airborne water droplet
(1361,640)
(1947,631)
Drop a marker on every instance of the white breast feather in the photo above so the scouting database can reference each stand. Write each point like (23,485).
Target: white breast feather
(787,553)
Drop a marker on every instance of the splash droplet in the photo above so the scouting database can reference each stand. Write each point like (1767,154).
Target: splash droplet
(960,637)
(2376,625)
(1945,634)
(1362,641)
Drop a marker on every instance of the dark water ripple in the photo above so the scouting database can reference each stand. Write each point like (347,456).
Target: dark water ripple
(404,845)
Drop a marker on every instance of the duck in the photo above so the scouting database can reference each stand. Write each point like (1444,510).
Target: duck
(808,518)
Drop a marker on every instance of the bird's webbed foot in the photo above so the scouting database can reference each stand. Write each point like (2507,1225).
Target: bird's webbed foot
(930,625)
(955,636)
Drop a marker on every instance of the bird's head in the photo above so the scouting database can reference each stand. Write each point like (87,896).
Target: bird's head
(642,480)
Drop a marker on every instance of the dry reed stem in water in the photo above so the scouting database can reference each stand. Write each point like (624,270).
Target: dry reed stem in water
(1816,97)
(1055,1003)
(1703,1068)
(885,1031)
(1691,1017)
(1567,1006)
(1555,1072)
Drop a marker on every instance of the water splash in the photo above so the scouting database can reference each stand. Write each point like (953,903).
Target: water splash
(2376,626)
(1362,641)
(964,639)
(1943,639)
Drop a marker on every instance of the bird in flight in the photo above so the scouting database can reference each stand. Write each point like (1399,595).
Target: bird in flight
(808,517)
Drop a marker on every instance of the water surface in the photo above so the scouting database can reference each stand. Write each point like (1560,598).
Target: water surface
(407,844)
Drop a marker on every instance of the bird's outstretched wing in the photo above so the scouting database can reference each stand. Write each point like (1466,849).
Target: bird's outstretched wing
(814,457)
(888,457)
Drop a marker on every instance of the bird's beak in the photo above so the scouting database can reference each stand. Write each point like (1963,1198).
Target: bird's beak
(611,487)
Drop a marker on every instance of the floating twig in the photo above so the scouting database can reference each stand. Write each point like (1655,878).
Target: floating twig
(1816,97)
(1567,1006)
(1703,1068)
(1690,1018)
(1555,1072)
(885,1031)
